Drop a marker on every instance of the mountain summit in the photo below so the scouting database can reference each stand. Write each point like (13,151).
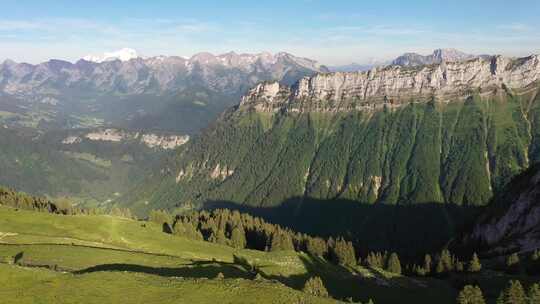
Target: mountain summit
(124,54)
(438,56)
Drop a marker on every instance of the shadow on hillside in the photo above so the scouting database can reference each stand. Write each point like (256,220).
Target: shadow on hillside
(406,229)
(341,282)
(196,269)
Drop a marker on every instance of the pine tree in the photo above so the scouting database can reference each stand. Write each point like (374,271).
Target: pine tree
(179,229)
(459,266)
(536,255)
(427,264)
(316,246)
(513,294)
(219,238)
(315,286)
(281,240)
(470,295)
(394,265)
(512,262)
(343,253)
(238,237)
(534,294)
(474,265)
(159,217)
(445,263)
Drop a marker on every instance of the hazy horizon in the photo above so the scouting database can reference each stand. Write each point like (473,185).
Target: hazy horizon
(331,33)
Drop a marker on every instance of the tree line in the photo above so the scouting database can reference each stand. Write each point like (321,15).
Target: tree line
(514,293)
(63,206)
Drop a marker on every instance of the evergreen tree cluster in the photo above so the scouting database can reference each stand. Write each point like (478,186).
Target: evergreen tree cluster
(515,293)
(315,286)
(389,262)
(241,230)
(21,200)
(444,264)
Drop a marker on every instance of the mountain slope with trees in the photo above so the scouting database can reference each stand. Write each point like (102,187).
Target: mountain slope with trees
(438,140)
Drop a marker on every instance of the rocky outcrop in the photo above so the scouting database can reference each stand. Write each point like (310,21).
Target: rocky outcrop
(393,85)
(116,135)
(513,221)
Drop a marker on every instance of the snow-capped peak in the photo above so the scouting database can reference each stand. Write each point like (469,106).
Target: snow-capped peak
(124,54)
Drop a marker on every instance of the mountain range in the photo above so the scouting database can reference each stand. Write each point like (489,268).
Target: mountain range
(448,134)
(410,59)
(133,91)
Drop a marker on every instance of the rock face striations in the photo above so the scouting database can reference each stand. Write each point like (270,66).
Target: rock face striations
(394,85)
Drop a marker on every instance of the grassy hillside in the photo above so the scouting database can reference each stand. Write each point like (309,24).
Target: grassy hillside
(57,254)
(23,285)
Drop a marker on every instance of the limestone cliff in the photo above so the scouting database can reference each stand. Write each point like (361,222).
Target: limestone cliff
(395,85)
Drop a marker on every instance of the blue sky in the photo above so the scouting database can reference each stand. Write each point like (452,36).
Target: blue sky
(333,32)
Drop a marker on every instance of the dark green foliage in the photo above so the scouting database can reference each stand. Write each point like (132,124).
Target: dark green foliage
(342,252)
(241,230)
(513,294)
(160,216)
(417,153)
(281,241)
(238,237)
(376,259)
(315,286)
(474,264)
(424,269)
(470,295)
(445,263)
(316,246)
(394,265)
(512,262)
(460,153)
(427,263)
(533,294)
(22,200)
(91,171)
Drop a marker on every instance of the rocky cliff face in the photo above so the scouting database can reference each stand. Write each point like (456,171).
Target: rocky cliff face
(513,221)
(394,85)
(151,140)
